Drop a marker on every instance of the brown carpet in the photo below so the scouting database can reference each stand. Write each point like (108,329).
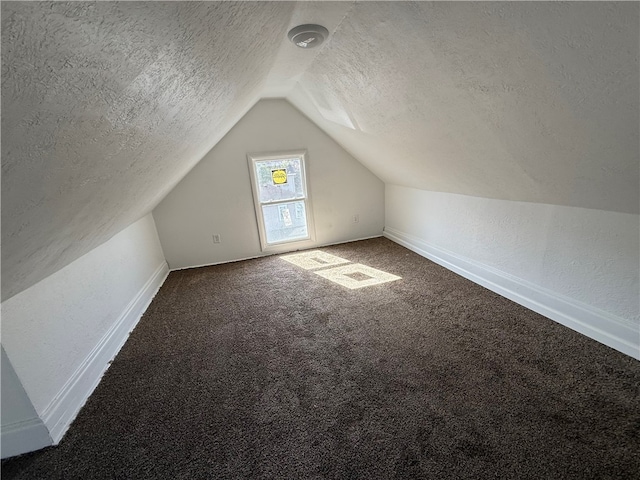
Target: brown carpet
(262,370)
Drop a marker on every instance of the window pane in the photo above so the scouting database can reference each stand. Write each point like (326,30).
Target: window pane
(285,221)
(279,179)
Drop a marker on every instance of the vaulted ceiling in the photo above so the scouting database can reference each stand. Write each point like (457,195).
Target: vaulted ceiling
(107,105)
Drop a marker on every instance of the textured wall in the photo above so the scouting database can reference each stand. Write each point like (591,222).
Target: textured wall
(527,101)
(216,198)
(49,330)
(106,105)
(588,255)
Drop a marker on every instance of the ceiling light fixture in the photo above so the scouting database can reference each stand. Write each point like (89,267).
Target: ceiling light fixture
(308,36)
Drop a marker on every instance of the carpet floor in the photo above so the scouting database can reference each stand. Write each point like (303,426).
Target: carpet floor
(264,370)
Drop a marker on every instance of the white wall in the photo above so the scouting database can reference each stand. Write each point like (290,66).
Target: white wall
(22,429)
(61,333)
(215,197)
(561,261)
(16,406)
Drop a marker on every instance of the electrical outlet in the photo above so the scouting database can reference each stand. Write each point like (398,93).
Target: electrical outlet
(216,238)
(356,218)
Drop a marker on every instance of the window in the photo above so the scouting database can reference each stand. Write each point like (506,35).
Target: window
(281,198)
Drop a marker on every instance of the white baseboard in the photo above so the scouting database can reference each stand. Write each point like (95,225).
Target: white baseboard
(597,324)
(23,437)
(268,254)
(62,410)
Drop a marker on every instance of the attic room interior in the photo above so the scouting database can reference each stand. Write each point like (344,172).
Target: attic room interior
(404,245)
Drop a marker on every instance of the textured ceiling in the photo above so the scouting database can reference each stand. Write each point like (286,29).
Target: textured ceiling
(528,101)
(106,106)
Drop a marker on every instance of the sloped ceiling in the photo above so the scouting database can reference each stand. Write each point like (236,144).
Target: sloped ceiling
(528,101)
(106,106)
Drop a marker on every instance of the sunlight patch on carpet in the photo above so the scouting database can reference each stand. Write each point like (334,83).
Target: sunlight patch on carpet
(357,276)
(314,259)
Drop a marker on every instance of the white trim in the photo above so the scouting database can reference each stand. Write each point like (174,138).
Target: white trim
(23,437)
(222,262)
(62,410)
(283,245)
(597,324)
(269,254)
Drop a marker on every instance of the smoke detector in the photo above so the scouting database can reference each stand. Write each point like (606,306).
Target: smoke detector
(308,36)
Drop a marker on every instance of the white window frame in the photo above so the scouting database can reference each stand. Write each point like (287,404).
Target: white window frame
(284,245)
